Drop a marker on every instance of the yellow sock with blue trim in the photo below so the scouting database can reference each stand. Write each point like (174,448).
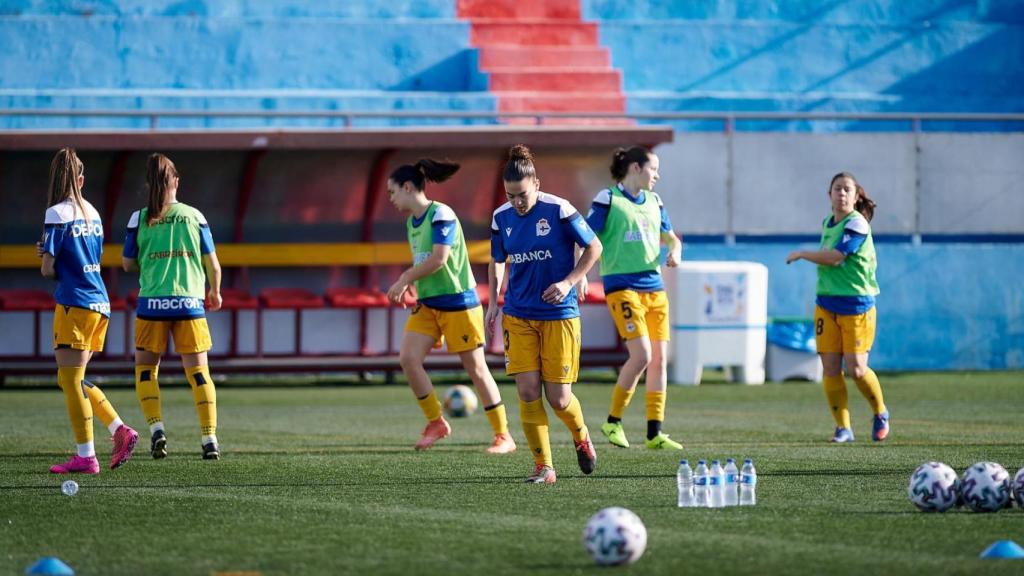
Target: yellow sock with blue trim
(69,378)
(535,427)
(871,388)
(205,396)
(430,406)
(838,401)
(497,417)
(147,390)
(572,417)
(620,400)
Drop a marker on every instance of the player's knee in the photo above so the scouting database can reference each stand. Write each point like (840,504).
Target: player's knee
(858,372)
(558,399)
(408,361)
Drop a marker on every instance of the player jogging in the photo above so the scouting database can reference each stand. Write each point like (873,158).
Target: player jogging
(169,243)
(631,222)
(536,234)
(844,318)
(71,249)
(447,305)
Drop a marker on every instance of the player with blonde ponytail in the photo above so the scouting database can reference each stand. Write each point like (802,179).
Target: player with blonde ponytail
(71,251)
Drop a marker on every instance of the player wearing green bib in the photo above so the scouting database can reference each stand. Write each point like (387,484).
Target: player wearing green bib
(632,224)
(170,245)
(447,303)
(844,318)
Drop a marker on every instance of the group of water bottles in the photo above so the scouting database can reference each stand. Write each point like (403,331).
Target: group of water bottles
(716,487)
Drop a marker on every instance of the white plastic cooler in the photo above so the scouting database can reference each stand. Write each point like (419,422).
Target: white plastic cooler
(719,318)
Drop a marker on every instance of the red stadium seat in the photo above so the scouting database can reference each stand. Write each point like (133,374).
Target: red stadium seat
(595,293)
(237,299)
(17,299)
(295,298)
(356,298)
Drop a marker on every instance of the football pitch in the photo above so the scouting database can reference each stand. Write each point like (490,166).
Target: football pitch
(323,480)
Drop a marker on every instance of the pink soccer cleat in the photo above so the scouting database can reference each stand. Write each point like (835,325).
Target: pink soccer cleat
(502,444)
(434,431)
(78,465)
(124,443)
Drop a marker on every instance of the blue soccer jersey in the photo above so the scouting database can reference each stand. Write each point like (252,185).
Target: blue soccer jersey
(76,243)
(539,250)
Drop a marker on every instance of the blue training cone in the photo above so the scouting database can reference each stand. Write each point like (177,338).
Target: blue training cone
(1007,549)
(50,565)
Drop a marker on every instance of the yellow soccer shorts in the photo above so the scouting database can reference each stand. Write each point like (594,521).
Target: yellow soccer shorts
(463,330)
(78,328)
(549,346)
(639,314)
(842,333)
(190,336)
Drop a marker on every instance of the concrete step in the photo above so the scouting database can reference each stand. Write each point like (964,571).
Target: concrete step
(518,9)
(560,102)
(496,56)
(538,32)
(556,81)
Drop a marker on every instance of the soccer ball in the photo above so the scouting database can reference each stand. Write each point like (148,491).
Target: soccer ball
(985,487)
(615,536)
(1017,488)
(459,401)
(934,487)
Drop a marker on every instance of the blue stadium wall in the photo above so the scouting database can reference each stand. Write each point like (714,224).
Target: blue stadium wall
(945,304)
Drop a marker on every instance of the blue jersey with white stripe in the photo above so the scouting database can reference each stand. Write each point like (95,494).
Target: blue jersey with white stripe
(538,248)
(75,241)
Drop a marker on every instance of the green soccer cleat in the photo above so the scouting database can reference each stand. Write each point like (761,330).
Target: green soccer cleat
(615,434)
(663,442)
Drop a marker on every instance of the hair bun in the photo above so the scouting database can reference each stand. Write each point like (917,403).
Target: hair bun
(520,152)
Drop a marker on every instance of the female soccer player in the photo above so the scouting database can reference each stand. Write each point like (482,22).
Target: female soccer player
(844,318)
(447,302)
(71,249)
(536,234)
(169,244)
(631,222)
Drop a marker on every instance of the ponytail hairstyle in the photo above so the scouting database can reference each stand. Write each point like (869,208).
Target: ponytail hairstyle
(519,165)
(160,177)
(65,170)
(422,171)
(622,158)
(864,204)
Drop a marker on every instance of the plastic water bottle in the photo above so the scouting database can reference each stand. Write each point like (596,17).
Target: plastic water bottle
(684,481)
(700,484)
(748,484)
(69,487)
(716,479)
(732,480)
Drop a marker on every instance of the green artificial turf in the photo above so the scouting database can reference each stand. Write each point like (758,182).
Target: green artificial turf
(324,480)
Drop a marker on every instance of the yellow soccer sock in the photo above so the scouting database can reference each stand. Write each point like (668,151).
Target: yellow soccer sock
(499,420)
(147,389)
(872,390)
(835,393)
(572,417)
(69,379)
(101,407)
(620,399)
(655,402)
(430,406)
(535,427)
(205,396)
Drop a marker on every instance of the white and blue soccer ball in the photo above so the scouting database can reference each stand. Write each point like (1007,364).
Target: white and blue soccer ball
(985,487)
(459,401)
(934,487)
(1017,488)
(615,536)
